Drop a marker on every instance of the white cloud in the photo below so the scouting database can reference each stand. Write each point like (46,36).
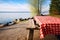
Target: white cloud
(20,7)
(13,7)
(45,9)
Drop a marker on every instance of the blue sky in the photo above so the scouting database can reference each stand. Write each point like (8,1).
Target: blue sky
(45,7)
(18,5)
(14,5)
(13,1)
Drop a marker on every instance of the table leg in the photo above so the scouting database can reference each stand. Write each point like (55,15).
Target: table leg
(31,33)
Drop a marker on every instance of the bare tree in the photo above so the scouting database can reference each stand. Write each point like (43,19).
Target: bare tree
(36,7)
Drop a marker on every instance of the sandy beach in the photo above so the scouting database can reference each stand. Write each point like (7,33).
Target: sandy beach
(17,32)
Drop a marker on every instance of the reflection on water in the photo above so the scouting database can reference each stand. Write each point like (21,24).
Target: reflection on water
(6,17)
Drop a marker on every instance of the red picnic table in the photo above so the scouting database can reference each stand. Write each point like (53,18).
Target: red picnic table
(48,25)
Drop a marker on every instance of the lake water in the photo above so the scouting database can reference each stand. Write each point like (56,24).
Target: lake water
(7,17)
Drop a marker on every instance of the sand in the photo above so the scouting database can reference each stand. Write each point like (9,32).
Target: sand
(17,32)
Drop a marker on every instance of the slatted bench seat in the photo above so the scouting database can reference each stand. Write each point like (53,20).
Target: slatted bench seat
(31,29)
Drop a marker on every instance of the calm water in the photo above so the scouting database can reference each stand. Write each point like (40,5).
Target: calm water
(6,17)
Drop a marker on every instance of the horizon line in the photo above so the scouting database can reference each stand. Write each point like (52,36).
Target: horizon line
(15,12)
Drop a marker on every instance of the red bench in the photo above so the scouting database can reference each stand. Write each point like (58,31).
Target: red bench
(48,25)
